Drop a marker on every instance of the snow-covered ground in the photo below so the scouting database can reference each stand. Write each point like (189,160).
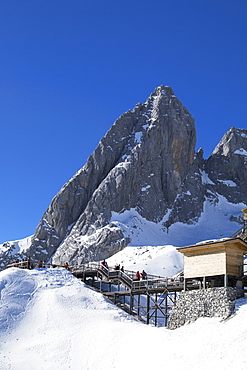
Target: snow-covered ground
(162,260)
(51,320)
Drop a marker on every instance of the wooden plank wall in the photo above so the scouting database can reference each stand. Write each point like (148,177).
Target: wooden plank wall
(207,264)
(234,259)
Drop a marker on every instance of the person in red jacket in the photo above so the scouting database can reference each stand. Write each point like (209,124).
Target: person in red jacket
(138,276)
(144,275)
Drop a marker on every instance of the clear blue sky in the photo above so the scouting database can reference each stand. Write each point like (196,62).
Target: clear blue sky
(70,68)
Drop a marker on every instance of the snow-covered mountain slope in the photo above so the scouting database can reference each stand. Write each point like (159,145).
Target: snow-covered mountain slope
(155,260)
(51,320)
(217,220)
(10,251)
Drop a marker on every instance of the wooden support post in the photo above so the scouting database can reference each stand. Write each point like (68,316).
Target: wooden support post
(204,282)
(131,303)
(225,281)
(138,308)
(148,308)
(166,311)
(185,284)
(156,309)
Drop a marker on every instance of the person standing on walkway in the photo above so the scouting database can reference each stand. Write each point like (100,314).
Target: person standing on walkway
(138,276)
(144,275)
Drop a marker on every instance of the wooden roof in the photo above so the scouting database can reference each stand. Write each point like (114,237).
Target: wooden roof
(215,244)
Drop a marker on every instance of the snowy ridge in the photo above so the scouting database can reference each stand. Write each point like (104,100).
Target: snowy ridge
(163,260)
(51,320)
(215,222)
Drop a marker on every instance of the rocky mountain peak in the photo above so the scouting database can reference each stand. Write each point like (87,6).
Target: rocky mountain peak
(142,160)
(142,185)
(234,141)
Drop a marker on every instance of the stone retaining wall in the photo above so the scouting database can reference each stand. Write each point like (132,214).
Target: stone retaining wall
(212,302)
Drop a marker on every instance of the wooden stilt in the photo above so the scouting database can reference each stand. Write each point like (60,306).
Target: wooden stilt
(138,307)
(148,308)
(225,280)
(156,309)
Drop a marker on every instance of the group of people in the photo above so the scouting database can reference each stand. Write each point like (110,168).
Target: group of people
(117,267)
(44,264)
(27,263)
(138,275)
(142,275)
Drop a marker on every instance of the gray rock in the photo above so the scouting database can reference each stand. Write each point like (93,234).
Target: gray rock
(144,170)
(212,302)
(157,156)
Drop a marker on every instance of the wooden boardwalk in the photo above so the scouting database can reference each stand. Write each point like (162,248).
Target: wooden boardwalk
(150,300)
(153,283)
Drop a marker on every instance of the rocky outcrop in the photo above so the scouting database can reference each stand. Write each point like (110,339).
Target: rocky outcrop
(227,166)
(145,176)
(223,174)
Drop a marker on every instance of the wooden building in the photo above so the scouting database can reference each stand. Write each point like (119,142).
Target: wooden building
(215,263)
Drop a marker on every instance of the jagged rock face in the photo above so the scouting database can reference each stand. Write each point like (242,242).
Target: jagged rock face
(144,172)
(223,174)
(143,159)
(188,205)
(228,165)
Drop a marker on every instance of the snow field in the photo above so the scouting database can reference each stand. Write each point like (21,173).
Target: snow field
(51,320)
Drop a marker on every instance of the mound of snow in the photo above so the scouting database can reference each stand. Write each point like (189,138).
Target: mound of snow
(51,320)
(162,260)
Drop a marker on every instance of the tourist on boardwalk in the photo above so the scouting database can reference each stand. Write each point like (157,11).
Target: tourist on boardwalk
(104,264)
(143,275)
(117,267)
(122,269)
(138,276)
(66,265)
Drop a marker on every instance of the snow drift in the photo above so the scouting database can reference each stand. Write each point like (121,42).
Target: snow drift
(51,320)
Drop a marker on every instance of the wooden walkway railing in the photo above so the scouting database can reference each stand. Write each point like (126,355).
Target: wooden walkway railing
(29,264)
(128,278)
(152,282)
